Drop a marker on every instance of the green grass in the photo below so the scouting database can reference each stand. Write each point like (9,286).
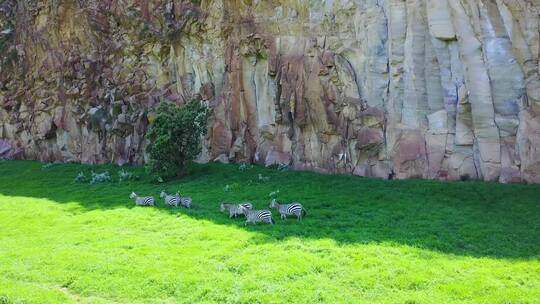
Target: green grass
(363,240)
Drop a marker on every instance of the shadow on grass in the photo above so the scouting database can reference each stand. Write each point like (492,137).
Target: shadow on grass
(462,218)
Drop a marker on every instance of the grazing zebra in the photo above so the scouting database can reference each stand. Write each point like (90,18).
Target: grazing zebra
(170,200)
(236,209)
(255,216)
(142,200)
(289,209)
(184,200)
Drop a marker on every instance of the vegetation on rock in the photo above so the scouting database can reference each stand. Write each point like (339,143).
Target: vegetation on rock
(175,138)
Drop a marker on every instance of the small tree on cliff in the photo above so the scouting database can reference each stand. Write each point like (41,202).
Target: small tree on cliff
(175,137)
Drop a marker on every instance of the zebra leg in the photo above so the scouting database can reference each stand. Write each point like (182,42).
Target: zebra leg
(283,216)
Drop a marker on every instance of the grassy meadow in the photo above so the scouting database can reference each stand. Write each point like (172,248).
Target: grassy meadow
(362,241)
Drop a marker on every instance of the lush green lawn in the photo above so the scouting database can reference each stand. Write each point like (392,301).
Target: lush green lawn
(363,240)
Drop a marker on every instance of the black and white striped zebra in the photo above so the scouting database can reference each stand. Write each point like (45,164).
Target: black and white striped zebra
(170,200)
(257,216)
(142,200)
(235,209)
(285,210)
(184,200)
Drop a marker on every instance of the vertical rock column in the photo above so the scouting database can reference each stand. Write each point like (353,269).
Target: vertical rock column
(479,89)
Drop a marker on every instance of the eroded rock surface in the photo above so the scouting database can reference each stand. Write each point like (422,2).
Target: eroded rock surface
(440,89)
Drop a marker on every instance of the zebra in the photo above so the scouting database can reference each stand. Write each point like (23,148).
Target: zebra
(255,216)
(184,200)
(171,200)
(289,209)
(236,209)
(142,200)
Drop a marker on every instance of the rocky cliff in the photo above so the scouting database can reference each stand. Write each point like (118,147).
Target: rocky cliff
(440,89)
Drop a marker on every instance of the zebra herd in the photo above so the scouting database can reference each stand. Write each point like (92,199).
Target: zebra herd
(170,200)
(245,209)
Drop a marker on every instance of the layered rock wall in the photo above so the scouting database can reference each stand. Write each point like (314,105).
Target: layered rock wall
(440,89)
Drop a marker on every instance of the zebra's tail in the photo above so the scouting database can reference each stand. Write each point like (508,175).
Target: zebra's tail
(272,221)
(304,211)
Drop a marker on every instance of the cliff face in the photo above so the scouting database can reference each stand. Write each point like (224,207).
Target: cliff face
(442,89)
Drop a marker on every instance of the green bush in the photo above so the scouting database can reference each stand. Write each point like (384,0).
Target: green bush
(175,138)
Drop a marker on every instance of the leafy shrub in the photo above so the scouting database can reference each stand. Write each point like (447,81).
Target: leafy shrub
(81,178)
(47,166)
(273,194)
(244,167)
(124,176)
(231,187)
(96,178)
(175,138)
(100,178)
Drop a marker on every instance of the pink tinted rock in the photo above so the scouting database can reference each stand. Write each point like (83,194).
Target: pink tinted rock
(410,155)
(277,158)
(528,141)
(436,146)
(5,149)
(222,158)
(368,137)
(362,170)
(382,170)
